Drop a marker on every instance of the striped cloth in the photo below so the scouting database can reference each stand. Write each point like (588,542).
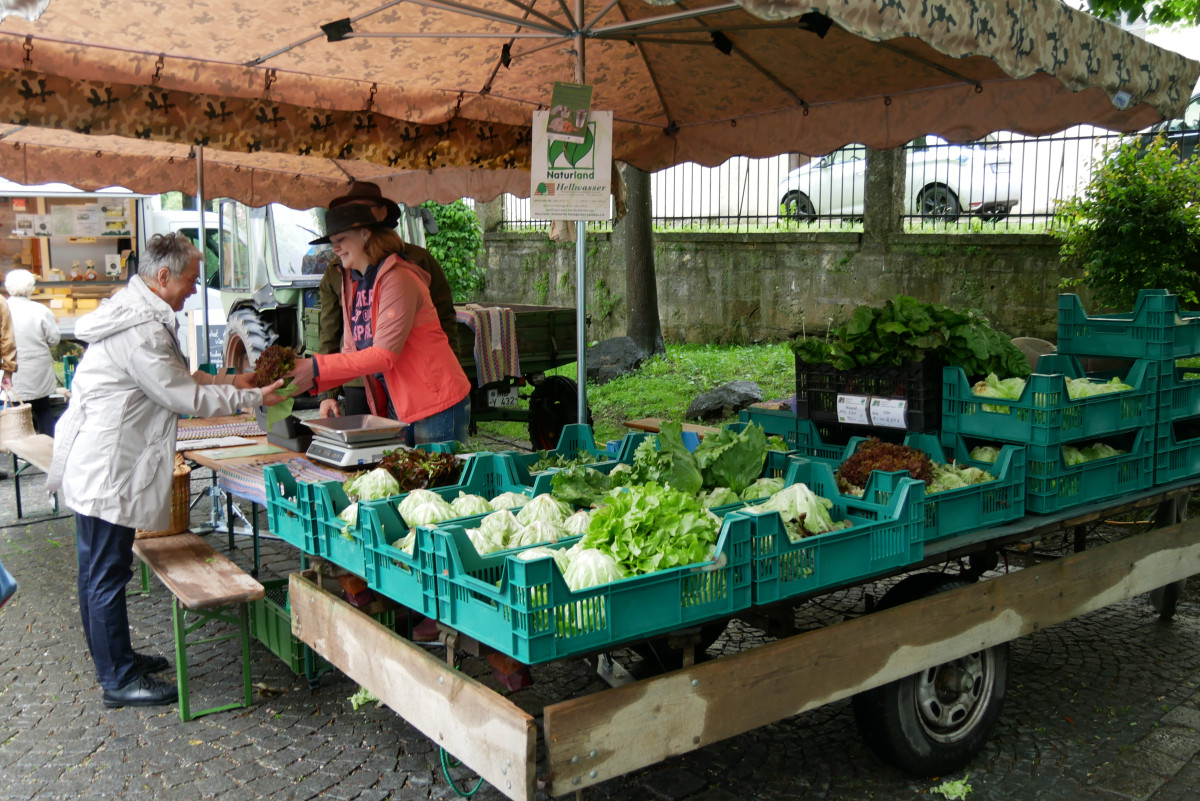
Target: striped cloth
(247,481)
(495,341)
(247,429)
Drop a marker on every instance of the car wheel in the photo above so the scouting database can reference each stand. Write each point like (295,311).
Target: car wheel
(797,206)
(939,202)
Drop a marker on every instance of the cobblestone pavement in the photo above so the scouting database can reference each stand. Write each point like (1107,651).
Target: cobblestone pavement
(1104,707)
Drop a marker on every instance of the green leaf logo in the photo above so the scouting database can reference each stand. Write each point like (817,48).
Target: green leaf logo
(574,151)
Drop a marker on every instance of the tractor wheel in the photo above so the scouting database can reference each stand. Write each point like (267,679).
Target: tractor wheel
(552,406)
(246,336)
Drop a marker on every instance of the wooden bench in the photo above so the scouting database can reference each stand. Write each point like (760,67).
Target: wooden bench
(205,584)
(36,451)
(653,424)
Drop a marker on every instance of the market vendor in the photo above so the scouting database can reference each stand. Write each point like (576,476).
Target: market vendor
(387,212)
(115,447)
(392,336)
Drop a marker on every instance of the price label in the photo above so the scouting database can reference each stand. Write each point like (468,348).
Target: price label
(889,412)
(853,409)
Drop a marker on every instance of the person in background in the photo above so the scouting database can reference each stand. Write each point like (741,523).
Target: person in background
(8,354)
(118,437)
(36,333)
(392,336)
(387,213)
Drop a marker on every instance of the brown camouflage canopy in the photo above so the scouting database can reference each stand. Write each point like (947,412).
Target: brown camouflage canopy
(415,85)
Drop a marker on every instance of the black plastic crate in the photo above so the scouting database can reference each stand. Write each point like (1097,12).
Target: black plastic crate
(919,384)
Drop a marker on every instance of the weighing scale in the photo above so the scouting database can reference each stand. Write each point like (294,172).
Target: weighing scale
(357,439)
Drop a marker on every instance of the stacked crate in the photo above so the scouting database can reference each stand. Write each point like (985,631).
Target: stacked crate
(1045,419)
(1160,331)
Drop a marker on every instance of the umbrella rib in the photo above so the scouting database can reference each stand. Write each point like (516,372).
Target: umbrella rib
(927,63)
(319,35)
(662,100)
(679,15)
(492,16)
(529,9)
(461,35)
(597,17)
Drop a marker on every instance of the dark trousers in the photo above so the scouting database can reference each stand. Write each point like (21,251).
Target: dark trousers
(105,553)
(355,401)
(43,418)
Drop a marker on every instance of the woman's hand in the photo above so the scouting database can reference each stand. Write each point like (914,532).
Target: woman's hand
(302,375)
(330,408)
(271,394)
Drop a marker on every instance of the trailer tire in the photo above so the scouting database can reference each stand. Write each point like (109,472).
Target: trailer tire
(934,722)
(246,336)
(552,406)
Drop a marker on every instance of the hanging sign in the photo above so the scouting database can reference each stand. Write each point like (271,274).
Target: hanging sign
(570,105)
(568,180)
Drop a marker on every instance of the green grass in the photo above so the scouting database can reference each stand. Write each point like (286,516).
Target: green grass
(664,386)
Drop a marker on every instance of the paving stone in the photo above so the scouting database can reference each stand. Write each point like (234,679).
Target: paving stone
(1126,781)
(673,784)
(1173,741)
(1183,716)
(1151,761)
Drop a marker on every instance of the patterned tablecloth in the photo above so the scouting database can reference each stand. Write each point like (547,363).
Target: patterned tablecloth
(249,429)
(246,480)
(495,341)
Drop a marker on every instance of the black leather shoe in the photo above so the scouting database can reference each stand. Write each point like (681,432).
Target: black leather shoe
(147,663)
(142,691)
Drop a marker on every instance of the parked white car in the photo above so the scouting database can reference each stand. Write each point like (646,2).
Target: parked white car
(942,181)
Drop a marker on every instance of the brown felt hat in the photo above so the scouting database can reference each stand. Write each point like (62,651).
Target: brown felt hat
(347,217)
(369,194)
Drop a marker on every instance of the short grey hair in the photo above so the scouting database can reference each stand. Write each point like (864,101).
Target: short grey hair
(20,283)
(173,251)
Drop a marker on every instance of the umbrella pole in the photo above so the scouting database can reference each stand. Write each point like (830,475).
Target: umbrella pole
(580,253)
(203,236)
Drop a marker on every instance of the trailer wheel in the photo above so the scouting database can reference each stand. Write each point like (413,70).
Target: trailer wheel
(552,406)
(1166,598)
(934,722)
(246,336)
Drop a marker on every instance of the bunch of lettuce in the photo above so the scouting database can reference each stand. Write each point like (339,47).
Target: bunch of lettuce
(1086,388)
(984,453)
(549,459)
(424,508)
(372,485)
(955,476)
(652,527)
(804,512)
(1097,450)
(547,521)
(1011,389)
(509,500)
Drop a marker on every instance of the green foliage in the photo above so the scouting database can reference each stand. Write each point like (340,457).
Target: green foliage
(905,330)
(541,289)
(1160,12)
(457,246)
(1136,227)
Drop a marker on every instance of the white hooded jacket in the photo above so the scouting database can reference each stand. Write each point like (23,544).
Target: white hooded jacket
(37,332)
(114,449)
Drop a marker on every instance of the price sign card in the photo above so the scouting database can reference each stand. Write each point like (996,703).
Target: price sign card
(853,409)
(889,412)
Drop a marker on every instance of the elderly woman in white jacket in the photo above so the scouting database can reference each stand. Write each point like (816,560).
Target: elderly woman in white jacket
(36,332)
(115,447)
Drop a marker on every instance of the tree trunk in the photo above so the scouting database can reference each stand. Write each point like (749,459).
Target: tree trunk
(884,195)
(634,236)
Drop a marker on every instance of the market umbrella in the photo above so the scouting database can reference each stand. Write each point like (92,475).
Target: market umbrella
(419,84)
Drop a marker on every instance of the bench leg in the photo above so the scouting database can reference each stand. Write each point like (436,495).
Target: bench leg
(16,475)
(179,619)
(145,582)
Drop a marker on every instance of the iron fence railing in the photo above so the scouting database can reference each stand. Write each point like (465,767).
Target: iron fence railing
(1005,182)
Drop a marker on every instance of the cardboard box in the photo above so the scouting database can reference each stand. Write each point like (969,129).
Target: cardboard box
(87,304)
(65,304)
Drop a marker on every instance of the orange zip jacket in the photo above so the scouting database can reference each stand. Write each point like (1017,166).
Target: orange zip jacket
(410,348)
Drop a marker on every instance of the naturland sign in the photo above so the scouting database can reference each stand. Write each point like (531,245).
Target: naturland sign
(572,181)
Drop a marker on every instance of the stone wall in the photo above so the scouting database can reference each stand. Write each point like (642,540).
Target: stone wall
(760,287)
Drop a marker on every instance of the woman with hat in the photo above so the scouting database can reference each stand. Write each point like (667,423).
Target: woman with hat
(387,211)
(391,335)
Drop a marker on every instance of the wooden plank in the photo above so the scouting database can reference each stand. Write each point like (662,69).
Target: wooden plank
(37,449)
(196,574)
(652,424)
(489,733)
(607,734)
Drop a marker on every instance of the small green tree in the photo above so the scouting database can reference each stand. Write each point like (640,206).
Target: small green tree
(457,246)
(1137,226)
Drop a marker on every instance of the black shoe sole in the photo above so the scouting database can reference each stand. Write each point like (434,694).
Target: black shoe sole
(147,702)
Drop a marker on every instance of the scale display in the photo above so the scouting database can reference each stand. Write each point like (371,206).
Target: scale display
(341,454)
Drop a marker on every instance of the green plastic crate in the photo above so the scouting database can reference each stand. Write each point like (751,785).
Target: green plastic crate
(576,438)
(1044,414)
(406,579)
(525,610)
(888,533)
(1178,395)
(1051,486)
(777,418)
(290,508)
(1177,450)
(271,624)
(829,440)
(1156,329)
(486,474)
